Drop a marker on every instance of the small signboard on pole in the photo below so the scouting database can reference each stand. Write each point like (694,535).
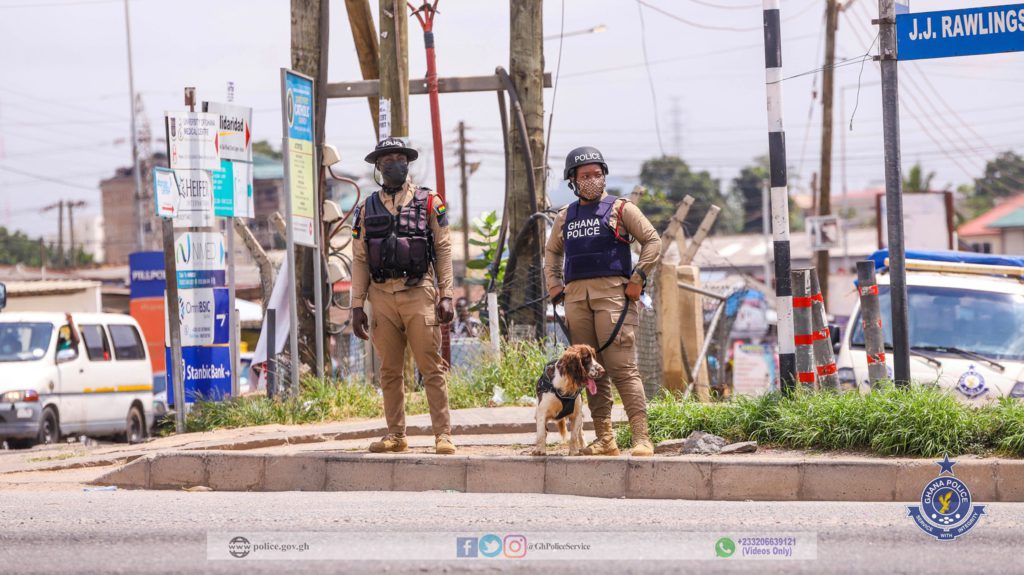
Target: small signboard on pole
(300,160)
(203,316)
(232,190)
(195,199)
(823,232)
(200,258)
(166,192)
(192,141)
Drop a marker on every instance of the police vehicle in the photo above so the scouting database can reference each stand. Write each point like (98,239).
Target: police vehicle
(966,315)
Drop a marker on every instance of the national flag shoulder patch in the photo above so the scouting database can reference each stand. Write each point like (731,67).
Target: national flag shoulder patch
(440,209)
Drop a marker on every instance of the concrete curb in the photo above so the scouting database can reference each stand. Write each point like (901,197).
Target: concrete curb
(284,438)
(723,478)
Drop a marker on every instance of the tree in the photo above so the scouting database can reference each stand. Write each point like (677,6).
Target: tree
(747,191)
(1004,177)
(264,148)
(668,180)
(916,181)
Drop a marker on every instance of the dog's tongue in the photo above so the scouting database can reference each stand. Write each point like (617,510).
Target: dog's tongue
(592,386)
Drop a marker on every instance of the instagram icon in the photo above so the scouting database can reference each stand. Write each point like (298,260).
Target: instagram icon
(515,546)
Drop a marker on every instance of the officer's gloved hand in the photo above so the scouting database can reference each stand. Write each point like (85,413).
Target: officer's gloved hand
(445,312)
(360,323)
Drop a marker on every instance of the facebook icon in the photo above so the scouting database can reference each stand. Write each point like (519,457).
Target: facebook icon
(466,546)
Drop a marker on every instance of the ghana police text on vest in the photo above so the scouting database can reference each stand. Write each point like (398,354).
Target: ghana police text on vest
(592,248)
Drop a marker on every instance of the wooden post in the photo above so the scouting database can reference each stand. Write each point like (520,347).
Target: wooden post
(364,35)
(691,328)
(526,69)
(702,233)
(675,231)
(306,58)
(670,329)
(394,63)
(827,86)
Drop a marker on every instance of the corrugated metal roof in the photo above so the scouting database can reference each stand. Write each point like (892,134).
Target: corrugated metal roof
(41,287)
(1014,219)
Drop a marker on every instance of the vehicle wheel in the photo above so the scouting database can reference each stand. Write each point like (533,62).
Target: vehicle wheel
(135,427)
(49,429)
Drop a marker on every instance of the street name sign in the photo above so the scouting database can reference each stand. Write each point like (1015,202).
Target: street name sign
(965,32)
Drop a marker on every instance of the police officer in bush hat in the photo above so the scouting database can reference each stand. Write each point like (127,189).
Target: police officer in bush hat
(588,263)
(402,264)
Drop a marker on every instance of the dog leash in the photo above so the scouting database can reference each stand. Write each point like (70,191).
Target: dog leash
(615,330)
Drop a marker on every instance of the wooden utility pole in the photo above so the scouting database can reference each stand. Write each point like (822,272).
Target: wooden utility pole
(464,194)
(526,68)
(828,83)
(394,64)
(59,206)
(364,35)
(307,57)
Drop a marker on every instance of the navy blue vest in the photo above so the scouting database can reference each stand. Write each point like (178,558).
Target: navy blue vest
(592,249)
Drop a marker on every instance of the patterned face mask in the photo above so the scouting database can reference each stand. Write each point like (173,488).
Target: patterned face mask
(591,189)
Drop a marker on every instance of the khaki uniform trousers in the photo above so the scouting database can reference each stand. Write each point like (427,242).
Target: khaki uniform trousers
(591,321)
(409,316)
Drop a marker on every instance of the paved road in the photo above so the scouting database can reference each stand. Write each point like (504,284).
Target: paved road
(70,531)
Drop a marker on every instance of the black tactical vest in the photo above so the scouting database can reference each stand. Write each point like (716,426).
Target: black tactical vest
(399,245)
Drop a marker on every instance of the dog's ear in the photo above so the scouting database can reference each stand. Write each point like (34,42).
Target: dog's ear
(549,370)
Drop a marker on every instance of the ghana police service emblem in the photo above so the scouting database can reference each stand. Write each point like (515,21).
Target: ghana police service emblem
(946,511)
(971,383)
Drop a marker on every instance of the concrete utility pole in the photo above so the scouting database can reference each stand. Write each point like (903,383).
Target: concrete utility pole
(308,37)
(464,194)
(364,36)
(71,230)
(526,68)
(140,241)
(828,84)
(59,206)
(394,64)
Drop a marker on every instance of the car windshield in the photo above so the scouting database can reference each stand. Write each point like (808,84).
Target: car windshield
(986,323)
(22,341)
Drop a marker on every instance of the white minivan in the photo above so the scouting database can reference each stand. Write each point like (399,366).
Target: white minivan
(966,326)
(72,374)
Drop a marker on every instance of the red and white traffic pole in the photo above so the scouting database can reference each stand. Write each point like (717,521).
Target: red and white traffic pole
(425,15)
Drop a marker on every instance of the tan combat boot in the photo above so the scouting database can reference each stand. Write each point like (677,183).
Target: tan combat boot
(605,442)
(443,445)
(642,446)
(390,443)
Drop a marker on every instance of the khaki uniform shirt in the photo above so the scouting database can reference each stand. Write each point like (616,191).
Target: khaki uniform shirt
(438,222)
(639,229)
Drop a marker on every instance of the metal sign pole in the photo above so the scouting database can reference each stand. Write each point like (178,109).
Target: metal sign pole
(893,191)
(229,225)
(293,335)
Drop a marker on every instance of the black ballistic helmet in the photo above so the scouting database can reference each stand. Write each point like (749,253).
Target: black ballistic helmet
(391,146)
(582,156)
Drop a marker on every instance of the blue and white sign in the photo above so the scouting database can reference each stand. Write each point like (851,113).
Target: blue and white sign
(146,273)
(206,372)
(203,316)
(200,259)
(966,32)
(165,192)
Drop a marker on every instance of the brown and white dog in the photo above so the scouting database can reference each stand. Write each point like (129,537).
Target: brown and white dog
(559,395)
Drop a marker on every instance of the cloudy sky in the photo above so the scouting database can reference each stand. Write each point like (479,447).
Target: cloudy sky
(64,97)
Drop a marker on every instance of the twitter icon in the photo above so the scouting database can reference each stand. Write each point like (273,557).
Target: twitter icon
(490,545)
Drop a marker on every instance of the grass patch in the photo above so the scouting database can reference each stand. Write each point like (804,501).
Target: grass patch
(923,421)
(322,400)
(58,457)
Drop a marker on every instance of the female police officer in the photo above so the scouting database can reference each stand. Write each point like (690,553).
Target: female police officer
(600,286)
(400,243)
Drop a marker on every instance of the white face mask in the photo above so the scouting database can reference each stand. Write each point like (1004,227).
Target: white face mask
(591,189)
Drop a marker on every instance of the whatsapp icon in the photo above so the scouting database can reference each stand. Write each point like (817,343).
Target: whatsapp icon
(725,547)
